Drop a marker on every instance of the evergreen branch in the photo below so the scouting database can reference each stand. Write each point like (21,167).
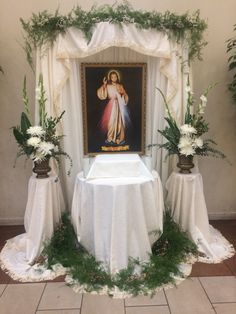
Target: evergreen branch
(172,248)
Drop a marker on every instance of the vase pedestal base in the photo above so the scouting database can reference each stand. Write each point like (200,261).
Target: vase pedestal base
(42,168)
(185,164)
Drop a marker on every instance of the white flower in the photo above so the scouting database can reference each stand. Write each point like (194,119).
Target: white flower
(56,149)
(198,142)
(184,141)
(188,89)
(37,156)
(37,93)
(200,109)
(35,130)
(203,100)
(33,141)
(186,146)
(46,148)
(187,129)
(187,150)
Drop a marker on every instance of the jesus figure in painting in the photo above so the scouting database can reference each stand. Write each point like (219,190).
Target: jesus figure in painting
(115,117)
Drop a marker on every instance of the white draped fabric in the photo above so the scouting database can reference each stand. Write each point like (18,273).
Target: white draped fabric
(118,218)
(43,212)
(118,208)
(60,66)
(188,208)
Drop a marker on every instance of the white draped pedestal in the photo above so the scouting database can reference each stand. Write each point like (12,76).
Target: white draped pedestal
(188,208)
(118,217)
(43,211)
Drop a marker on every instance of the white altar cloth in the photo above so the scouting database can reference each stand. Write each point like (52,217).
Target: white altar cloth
(43,211)
(119,165)
(186,201)
(117,218)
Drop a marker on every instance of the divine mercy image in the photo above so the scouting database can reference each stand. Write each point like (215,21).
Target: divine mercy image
(113,107)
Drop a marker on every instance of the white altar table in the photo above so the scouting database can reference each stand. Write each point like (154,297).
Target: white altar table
(186,201)
(43,211)
(118,217)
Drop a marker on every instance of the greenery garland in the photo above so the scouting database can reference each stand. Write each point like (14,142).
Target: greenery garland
(44,27)
(231,48)
(172,248)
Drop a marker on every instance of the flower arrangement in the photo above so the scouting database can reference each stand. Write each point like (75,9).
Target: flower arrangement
(39,142)
(186,140)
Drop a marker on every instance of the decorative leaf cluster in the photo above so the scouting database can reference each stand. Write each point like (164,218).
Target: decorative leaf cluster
(172,248)
(43,28)
(172,132)
(48,123)
(231,48)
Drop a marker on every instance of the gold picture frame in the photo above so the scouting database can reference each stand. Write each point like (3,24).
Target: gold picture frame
(114,107)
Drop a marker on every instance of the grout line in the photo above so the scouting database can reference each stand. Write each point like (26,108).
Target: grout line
(206,294)
(41,297)
(146,305)
(124,306)
(63,309)
(167,301)
(232,274)
(81,304)
(4,290)
(233,302)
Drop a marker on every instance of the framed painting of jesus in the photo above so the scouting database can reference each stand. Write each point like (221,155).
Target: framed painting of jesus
(113,98)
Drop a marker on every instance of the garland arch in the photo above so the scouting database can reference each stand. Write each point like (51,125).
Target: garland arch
(44,27)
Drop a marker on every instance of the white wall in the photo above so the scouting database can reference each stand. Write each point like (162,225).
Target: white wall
(219,177)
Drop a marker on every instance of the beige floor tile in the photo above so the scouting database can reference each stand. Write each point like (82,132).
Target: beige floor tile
(59,296)
(148,310)
(100,304)
(74,311)
(189,297)
(158,299)
(21,298)
(2,287)
(220,289)
(225,308)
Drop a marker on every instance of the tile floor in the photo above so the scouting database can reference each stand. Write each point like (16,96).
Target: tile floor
(210,289)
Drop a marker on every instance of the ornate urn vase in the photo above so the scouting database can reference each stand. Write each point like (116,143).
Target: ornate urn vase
(41,168)
(185,163)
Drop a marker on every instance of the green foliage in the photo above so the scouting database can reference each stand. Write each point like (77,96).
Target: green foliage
(172,248)
(20,132)
(231,48)
(43,28)
(47,130)
(174,133)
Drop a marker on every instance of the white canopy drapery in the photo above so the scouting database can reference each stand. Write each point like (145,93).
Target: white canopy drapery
(60,67)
